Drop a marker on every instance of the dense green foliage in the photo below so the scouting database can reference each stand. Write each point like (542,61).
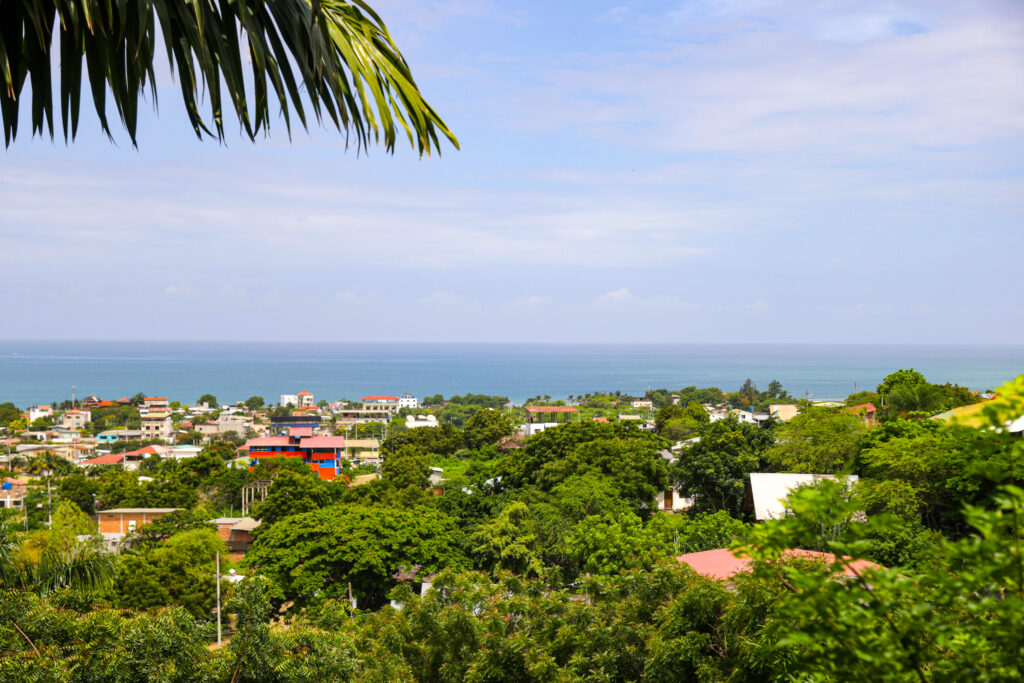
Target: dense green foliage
(554,563)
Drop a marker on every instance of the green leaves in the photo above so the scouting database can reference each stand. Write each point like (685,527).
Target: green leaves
(325,59)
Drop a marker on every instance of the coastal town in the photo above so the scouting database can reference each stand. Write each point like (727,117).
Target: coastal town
(341,516)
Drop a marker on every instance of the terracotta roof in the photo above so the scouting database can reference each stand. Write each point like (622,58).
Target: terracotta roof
(300,431)
(552,409)
(109,459)
(304,393)
(722,564)
(155,398)
(867,407)
(380,398)
(268,441)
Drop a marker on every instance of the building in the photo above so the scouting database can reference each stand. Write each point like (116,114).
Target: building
(236,532)
(289,400)
(642,403)
(156,425)
(39,413)
(670,501)
(384,406)
(723,564)
(323,454)
(866,411)
(157,403)
(783,411)
(115,435)
(12,493)
(539,418)
(305,399)
(114,525)
(366,451)
(76,419)
(768,490)
(408,401)
(284,425)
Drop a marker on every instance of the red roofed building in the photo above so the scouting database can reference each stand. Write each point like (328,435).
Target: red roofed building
(323,454)
(157,403)
(866,411)
(722,564)
(539,418)
(305,399)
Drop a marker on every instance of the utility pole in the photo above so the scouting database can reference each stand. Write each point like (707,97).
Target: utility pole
(219,642)
(49,503)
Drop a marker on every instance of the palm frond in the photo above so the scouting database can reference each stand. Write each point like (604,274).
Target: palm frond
(334,58)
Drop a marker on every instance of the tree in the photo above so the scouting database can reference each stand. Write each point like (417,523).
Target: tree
(254,403)
(748,392)
(209,399)
(352,543)
(161,529)
(292,494)
(486,427)
(714,471)
(406,467)
(818,441)
(79,489)
(8,414)
(505,543)
(900,378)
(336,54)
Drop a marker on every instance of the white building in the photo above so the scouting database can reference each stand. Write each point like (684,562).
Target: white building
(37,412)
(769,490)
(408,401)
(305,399)
(289,400)
(642,403)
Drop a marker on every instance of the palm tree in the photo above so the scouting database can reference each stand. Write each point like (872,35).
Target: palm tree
(79,565)
(334,57)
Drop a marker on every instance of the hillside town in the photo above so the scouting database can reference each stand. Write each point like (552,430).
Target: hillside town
(316,507)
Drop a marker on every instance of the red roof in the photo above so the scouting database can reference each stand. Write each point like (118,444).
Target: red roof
(722,564)
(268,441)
(304,393)
(551,409)
(300,431)
(146,450)
(866,407)
(600,419)
(380,398)
(104,404)
(322,442)
(155,398)
(109,459)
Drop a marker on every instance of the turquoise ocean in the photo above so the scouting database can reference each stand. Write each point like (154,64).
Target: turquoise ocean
(44,371)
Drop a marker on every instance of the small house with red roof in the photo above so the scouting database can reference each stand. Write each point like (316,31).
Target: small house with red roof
(866,411)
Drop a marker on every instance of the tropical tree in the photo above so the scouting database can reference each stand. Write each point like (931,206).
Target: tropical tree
(313,59)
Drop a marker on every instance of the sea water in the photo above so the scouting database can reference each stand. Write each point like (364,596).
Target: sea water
(44,371)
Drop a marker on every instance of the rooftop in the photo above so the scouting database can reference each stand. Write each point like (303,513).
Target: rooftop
(552,409)
(129,511)
(722,564)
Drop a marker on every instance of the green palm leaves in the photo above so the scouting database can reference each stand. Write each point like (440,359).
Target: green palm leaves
(315,59)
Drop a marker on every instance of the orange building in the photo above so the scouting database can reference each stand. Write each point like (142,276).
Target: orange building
(128,520)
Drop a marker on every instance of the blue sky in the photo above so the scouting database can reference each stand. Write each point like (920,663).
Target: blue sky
(726,170)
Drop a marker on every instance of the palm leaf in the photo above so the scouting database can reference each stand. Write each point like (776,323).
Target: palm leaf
(318,59)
